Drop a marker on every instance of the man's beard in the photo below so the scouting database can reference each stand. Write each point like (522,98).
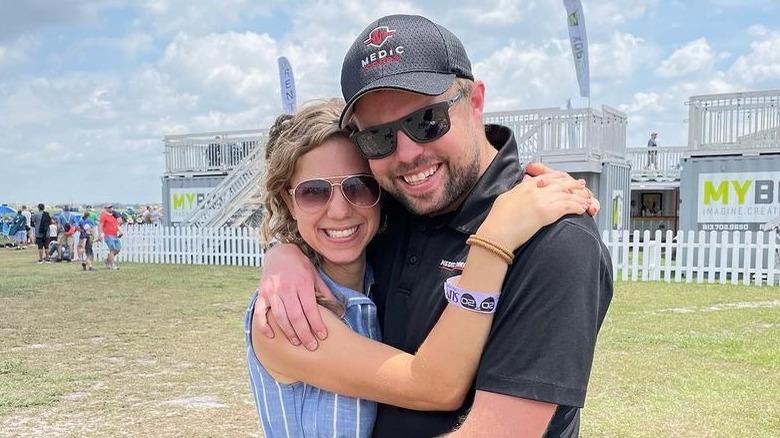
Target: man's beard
(456,187)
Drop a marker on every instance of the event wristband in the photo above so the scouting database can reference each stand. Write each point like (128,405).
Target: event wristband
(469,299)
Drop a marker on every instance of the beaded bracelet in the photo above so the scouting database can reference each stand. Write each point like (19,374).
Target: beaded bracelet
(468,299)
(495,248)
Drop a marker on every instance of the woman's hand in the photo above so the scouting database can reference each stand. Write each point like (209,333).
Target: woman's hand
(536,168)
(287,288)
(519,213)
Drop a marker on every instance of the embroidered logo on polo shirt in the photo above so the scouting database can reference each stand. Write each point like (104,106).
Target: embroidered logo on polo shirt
(447,265)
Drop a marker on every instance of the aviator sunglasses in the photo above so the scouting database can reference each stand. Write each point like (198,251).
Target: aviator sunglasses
(314,194)
(423,126)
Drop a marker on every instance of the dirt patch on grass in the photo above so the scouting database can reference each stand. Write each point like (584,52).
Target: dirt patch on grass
(147,351)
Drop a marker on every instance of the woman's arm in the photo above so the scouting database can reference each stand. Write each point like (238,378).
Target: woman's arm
(439,375)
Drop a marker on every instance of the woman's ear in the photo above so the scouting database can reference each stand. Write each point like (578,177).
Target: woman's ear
(288,201)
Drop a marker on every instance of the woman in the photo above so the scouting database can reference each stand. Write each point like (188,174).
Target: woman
(320,195)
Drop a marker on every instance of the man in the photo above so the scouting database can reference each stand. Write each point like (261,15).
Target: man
(65,237)
(41,222)
(146,216)
(109,233)
(87,236)
(93,216)
(416,113)
(28,225)
(652,153)
(156,216)
(19,230)
(86,229)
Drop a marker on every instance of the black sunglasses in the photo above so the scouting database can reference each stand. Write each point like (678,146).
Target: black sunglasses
(314,194)
(423,126)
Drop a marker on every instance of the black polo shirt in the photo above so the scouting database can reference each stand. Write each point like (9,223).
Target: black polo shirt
(554,299)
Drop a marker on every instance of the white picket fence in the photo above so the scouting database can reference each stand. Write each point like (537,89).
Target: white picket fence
(731,257)
(725,257)
(188,246)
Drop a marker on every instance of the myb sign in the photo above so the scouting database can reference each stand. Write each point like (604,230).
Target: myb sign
(738,201)
(184,201)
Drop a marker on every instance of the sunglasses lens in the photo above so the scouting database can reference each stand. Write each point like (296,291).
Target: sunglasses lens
(422,126)
(313,194)
(361,190)
(375,142)
(427,124)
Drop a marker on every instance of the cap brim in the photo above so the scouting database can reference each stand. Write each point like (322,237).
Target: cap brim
(427,83)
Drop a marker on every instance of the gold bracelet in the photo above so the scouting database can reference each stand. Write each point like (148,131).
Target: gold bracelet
(497,250)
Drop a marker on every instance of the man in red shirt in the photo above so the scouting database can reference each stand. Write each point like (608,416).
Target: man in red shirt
(109,233)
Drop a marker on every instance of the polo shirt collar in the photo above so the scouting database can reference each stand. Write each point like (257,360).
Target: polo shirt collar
(502,174)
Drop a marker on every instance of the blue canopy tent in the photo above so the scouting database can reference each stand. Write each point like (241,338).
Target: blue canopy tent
(6,213)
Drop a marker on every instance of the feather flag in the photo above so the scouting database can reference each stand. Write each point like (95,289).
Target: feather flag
(287,85)
(579,44)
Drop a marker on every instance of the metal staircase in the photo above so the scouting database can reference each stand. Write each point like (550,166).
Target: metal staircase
(237,200)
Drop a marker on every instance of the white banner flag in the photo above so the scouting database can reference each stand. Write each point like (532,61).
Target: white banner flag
(579,44)
(287,85)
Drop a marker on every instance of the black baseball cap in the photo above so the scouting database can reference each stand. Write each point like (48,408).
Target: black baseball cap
(402,52)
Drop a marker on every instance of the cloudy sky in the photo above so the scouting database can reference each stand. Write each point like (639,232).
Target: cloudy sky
(88,88)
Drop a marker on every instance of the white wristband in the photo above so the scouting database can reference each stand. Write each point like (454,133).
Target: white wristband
(468,299)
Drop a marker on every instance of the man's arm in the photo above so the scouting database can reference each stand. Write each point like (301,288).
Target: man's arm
(540,350)
(498,416)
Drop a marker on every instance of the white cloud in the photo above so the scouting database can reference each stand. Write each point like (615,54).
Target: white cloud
(644,102)
(203,16)
(607,13)
(18,50)
(620,56)
(500,12)
(520,72)
(762,65)
(695,57)
(230,68)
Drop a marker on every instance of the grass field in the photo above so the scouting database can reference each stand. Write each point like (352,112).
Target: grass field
(157,351)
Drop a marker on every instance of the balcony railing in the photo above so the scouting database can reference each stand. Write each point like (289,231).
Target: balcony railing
(577,133)
(218,152)
(722,123)
(663,163)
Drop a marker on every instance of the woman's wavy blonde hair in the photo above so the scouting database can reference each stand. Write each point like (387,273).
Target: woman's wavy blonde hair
(289,138)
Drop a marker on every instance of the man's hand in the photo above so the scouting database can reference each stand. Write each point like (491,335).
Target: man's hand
(287,287)
(536,168)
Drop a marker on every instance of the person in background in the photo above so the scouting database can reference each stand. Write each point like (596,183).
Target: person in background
(42,221)
(52,244)
(109,233)
(87,236)
(19,230)
(146,216)
(157,216)
(28,225)
(652,153)
(417,115)
(67,224)
(93,216)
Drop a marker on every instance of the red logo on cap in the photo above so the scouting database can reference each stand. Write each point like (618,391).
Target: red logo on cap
(378,36)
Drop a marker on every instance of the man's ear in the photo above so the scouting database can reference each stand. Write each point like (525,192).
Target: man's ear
(477,100)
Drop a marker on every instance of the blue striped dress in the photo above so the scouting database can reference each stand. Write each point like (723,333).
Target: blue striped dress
(301,410)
